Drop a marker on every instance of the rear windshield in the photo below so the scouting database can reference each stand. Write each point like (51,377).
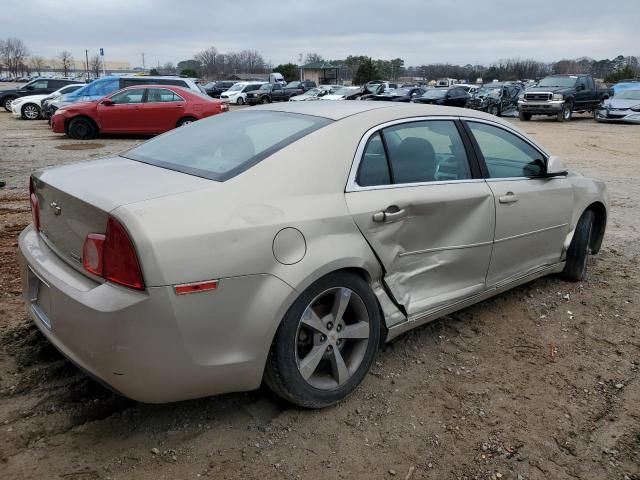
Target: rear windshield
(223,146)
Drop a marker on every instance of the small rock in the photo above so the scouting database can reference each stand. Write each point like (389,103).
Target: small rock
(155,451)
(392,472)
(619,385)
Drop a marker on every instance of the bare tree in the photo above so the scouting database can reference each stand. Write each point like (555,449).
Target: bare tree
(13,53)
(168,69)
(36,62)
(66,61)
(207,59)
(95,65)
(313,58)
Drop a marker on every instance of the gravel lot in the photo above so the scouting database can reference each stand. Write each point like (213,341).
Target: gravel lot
(473,395)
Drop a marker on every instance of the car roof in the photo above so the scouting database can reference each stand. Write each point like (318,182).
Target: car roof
(337,110)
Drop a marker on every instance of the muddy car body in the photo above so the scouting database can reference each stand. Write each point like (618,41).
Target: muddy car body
(176,271)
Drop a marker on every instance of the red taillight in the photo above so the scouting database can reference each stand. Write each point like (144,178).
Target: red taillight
(113,256)
(35,206)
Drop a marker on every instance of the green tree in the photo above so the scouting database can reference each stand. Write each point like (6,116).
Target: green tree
(154,71)
(366,71)
(188,72)
(289,71)
(626,72)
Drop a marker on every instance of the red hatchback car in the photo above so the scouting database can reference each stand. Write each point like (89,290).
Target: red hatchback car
(144,109)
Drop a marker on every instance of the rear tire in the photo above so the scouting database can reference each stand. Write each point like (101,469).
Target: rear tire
(82,129)
(185,121)
(31,111)
(494,110)
(575,269)
(524,117)
(7,103)
(318,356)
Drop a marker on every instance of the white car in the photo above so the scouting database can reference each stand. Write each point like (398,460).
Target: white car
(30,107)
(341,93)
(238,93)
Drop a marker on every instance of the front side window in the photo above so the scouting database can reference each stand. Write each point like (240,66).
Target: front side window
(414,152)
(160,95)
(505,154)
(38,84)
(134,95)
(223,146)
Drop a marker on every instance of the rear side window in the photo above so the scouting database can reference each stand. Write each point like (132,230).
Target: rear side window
(505,154)
(415,152)
(223,146)
(160,95)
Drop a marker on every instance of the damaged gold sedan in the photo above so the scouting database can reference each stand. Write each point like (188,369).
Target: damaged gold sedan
(285,243)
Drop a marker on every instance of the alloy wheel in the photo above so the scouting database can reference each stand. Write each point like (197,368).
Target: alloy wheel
(31,112)
(332,338)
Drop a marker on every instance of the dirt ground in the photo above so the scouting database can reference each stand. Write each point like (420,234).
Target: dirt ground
(475,395)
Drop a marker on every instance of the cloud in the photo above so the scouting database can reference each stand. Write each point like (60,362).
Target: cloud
(415,30)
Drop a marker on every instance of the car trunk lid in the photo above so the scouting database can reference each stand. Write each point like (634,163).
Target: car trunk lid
(75,200)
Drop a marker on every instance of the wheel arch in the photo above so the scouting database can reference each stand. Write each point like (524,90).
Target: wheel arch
(68,121)
(600,224)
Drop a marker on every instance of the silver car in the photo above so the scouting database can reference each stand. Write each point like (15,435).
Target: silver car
(623,107)
(285,243)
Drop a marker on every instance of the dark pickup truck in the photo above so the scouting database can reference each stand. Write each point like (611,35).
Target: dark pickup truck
(560,96)
(267,93)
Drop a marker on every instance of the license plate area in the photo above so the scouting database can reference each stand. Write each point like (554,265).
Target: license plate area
(39,299)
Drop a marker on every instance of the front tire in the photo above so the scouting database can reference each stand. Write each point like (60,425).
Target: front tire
(31,111)
(326,342)
(494,110)
(575,269)
(240,101)
(82,129)
(566,113)
(524,117)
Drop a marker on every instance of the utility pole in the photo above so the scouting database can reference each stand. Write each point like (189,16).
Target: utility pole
(143,66)
(86,56)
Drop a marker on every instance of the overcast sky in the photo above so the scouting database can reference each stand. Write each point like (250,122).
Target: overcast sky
(419,31)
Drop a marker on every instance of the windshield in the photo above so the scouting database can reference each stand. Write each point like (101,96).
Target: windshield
(313,92)
(293,84)
(628,95)
(266,86)
(558,81)
(435,93)
(488,91)
(237,86)
(400,92)
(97,88)
(223,146)
(344,91)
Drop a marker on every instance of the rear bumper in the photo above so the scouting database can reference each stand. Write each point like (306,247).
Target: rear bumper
(154,346)
(542,108)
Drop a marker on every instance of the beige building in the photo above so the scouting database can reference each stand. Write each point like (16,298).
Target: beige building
(78,64)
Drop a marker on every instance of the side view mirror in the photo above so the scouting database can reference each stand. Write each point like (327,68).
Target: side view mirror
(579,88)
(29,87)
(107,102)
(555,167)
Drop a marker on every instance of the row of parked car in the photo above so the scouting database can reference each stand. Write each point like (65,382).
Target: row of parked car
(152,105)
(112,104)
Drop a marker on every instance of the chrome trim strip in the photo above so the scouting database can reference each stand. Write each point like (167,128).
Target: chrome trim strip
(435,313)
(40,315)
(352,185)
(439,249)
(530,233)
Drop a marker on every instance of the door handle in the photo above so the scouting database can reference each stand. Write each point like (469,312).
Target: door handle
(510,197)
(391,213)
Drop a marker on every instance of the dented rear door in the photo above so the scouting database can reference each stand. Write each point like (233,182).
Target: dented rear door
(437,251)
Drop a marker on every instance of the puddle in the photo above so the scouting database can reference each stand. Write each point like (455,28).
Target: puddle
(79,146)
